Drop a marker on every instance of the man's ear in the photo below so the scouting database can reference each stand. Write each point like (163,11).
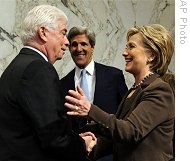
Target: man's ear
(42,33)
(92,50)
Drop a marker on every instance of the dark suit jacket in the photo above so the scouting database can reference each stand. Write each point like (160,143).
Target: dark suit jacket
(143,127)
(33,122)
(110,87)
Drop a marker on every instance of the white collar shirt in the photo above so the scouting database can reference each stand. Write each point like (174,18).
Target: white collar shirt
(90,78)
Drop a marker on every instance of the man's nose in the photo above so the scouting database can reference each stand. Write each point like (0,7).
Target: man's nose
(79,47)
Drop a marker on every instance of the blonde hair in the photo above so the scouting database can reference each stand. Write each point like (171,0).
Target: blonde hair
(157,40)
(170,79)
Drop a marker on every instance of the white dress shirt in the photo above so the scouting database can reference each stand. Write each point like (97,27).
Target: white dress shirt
(90,75)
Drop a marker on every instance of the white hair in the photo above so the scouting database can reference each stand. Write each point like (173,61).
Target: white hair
(42,15)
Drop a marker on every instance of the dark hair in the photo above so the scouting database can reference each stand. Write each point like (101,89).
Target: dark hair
(80,30)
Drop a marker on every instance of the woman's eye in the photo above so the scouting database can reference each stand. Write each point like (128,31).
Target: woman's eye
(130,46)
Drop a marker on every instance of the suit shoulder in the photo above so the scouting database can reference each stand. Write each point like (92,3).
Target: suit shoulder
(108,67)
(68,75)
(159,83)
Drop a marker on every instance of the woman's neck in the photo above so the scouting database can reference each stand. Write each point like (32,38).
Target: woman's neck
(139,80)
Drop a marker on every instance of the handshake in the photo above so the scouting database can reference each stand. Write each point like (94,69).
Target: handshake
(90,140)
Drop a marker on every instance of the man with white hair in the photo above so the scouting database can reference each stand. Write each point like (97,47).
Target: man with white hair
(33,122)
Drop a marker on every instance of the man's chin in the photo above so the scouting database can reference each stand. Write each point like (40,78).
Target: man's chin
(59,58)
(81,66)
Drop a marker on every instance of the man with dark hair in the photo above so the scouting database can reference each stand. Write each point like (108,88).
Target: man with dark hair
(106,84)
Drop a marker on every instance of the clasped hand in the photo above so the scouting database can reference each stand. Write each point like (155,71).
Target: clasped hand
(90,140)
(79,105)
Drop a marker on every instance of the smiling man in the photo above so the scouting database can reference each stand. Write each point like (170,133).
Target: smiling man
(106,84)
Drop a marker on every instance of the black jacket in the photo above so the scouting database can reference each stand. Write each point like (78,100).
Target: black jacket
(33,122)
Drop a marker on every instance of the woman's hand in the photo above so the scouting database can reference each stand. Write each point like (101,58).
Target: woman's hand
(77,102)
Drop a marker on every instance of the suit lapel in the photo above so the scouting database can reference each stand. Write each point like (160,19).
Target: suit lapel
(71,82)
(121,105)
(129,104)
(99,80)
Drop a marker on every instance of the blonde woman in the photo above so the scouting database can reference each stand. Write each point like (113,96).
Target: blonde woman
(143,127)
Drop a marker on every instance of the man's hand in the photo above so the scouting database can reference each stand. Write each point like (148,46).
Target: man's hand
(90,140)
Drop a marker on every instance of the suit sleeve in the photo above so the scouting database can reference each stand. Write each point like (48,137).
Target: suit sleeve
(154,107)
(42,102)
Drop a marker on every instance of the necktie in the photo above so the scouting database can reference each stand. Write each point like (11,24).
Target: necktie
(84,84)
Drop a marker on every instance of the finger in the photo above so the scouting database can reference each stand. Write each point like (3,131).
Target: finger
(88,133)
(73,113)
(80,91)
(93,136)
(76,108)
(75,94)
(71,99)
(89,149)
(91,145)
(70,106)
(85,134)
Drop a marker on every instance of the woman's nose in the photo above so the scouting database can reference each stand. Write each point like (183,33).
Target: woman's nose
(125,53)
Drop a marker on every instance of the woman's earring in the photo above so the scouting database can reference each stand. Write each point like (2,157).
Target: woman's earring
(148,61)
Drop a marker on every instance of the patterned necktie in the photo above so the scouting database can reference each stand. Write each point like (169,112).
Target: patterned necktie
(84,84)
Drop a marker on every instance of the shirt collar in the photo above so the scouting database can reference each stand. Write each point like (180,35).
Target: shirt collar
(39,52)
(89,68)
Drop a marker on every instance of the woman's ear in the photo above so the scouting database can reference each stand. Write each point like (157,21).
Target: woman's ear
(151,57)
